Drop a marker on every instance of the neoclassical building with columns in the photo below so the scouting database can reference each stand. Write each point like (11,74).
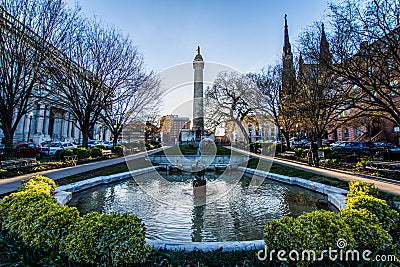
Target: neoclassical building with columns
(47,122)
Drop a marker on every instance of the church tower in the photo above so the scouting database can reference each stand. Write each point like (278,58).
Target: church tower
(325,56)
(288,72)
(198,108)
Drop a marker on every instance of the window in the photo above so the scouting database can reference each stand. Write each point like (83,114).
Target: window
(345,133)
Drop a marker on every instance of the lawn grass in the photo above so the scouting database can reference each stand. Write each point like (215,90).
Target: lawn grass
(189,150)
(105,171)
(265,165)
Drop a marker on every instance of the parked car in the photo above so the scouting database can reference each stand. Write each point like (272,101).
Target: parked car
(355,148)
(55,146)
(108,144)
(27,150)
(389,154)
(95,143)
(383,145)
(24,150)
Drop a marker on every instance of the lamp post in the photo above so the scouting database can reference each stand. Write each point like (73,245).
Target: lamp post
(115,126)
(397,130)
(281,128)
(30,124)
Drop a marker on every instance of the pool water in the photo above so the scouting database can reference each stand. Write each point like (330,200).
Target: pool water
(171,212)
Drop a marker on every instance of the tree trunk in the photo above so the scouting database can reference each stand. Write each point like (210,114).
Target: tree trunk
(115,138)
(8,139)
(85,137)
(287,141)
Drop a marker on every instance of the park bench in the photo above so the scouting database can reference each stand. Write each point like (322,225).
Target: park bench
(289,154)
(390,168)
(24,163)
(73,160)
(107,153)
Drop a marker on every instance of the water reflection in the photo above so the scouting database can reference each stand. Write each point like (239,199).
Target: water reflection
(176,215)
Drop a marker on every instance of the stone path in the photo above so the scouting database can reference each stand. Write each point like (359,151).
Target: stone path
(11,184)
(384,184)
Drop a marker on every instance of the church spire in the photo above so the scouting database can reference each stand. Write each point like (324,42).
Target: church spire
(287,49)
(325,56)
(301,66)
(288,72)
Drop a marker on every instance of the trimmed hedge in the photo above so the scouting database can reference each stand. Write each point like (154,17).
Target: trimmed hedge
(365,223)
(108,240)
(82,152)
(54,231)
(96,152)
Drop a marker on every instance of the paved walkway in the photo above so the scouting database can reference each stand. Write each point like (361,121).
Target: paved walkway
(11,184)
(384,184)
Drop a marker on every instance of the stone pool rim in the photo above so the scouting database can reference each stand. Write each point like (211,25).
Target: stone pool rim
(336,196)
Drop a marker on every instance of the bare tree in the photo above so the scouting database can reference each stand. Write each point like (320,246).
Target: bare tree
(368,56)
(273,103)
(323,97)
(30,32)
(135,101)
(230,100)
(102,64)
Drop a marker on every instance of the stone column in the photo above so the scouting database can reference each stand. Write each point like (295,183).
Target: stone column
(198,108)
(46,118)
(40,119)
(64,132)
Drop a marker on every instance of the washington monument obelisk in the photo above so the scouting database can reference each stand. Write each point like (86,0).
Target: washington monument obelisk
(198,113)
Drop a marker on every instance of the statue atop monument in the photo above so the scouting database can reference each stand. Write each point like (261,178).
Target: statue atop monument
(198,56)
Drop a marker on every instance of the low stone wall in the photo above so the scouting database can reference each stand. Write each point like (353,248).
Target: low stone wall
(64,193)
(336,196)
(209,246)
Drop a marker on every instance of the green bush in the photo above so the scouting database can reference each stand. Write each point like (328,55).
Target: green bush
(366,229)
(358,188)
(119,150)
(301,152)
(96,152)
(316,231)
(49,230)
(107,240)
(366,223)
(64,152)
(329,153)
(361,163)
(82,152)
(387,216)
(39,182)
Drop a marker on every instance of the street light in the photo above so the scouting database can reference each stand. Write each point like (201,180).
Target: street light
(281,128)
(30,124)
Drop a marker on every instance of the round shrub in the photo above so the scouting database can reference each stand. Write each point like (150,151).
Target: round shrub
(82,152)
(118,150)
(64,152)
(40,183)
(316,230)
(367,231)
(387,216)
(357,188)
(96,152)
(322,229)
(107,240)
(282,234)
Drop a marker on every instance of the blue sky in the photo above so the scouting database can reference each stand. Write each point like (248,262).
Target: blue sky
(246,35)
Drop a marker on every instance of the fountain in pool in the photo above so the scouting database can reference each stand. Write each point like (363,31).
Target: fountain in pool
(233,209)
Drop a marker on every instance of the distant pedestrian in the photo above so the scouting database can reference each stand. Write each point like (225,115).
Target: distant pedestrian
(313,154)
